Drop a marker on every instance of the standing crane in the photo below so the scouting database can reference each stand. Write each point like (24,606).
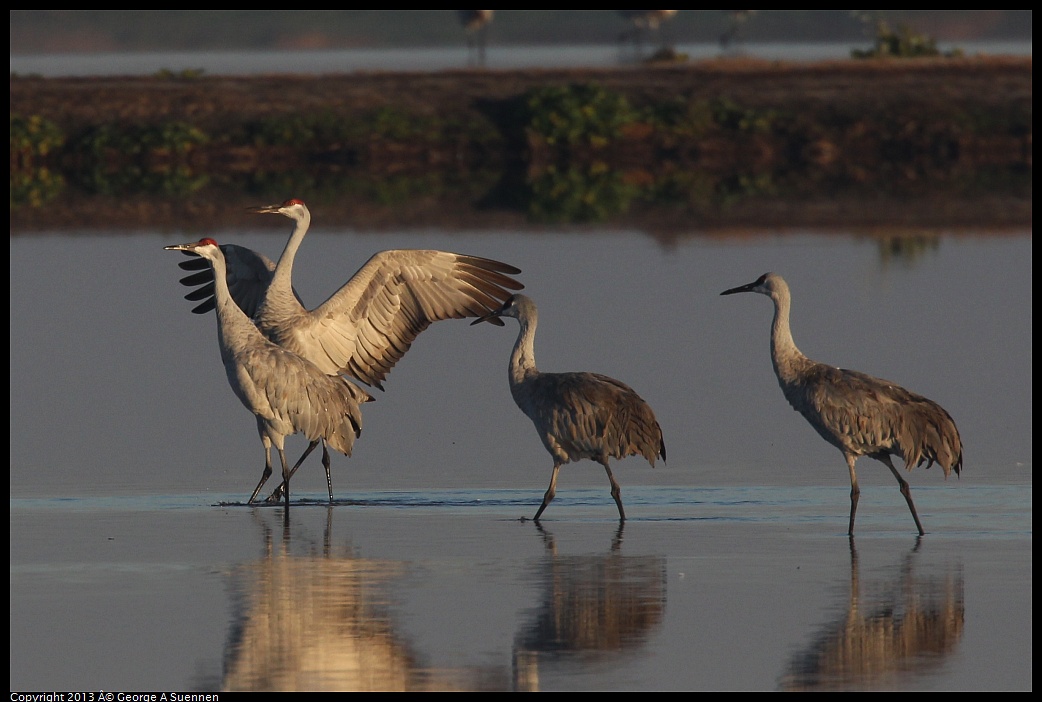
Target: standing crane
(366,326)
(736,20)
(287,393)
(475,26)
(577,415)
(855,412)
(645,22)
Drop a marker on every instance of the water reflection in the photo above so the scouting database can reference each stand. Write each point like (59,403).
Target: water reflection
(671,206)
(593,607)
(321,621)
(892,632)
(906,248)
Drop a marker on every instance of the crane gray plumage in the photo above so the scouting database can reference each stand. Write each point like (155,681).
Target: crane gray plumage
(475,25)
(367,325)
(577,415)
(287,394)
(248,276)
(857,413)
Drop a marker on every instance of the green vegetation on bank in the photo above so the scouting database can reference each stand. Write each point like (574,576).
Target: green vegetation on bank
(573,153)
(900,42)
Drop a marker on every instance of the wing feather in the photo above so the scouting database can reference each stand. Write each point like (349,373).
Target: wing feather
(396,295)
(865,415)
(248,273)
(366,326)
(589,415)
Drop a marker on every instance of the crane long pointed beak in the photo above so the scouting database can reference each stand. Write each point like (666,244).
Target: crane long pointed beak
(740,288)
(186,248)
(265,209)
(494,317)
(491,317)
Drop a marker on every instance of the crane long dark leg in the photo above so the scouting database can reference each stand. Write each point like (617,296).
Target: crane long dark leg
(550,491)
(325,464)
(276,495)
(855,492)
(265,475)
(905,490)
(616,491)
(285,474)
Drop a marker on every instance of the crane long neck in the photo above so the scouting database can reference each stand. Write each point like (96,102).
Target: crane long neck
(222,294)
(522,358)
(787,359)
(281,288)
(233,326)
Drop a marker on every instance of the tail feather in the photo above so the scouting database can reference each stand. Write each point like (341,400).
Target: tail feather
(930,436)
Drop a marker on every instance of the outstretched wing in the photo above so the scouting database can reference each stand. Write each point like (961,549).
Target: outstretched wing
(369,323)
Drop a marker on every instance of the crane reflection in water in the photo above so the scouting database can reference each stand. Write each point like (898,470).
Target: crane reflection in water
(594,608)
(310,617)
(900,624)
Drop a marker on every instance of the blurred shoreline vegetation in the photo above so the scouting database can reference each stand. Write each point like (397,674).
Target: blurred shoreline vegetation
(74,31)
(902,41)
(560,151)
(570,153)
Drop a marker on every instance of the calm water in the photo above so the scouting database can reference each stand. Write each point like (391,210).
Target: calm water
(506,57)
(135,566)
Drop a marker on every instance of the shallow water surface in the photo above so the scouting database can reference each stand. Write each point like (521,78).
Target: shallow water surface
(135,564)
(743,588)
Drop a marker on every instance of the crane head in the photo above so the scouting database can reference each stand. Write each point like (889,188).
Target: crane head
(191,246)
(763,285)
(292,208)
(510,308)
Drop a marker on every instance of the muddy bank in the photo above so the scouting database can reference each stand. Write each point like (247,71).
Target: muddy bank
(215,101)
(716,144)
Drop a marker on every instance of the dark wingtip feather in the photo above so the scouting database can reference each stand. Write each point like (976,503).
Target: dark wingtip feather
(205,307)
(200,293)
(197,278)
(195,264)
(489,264)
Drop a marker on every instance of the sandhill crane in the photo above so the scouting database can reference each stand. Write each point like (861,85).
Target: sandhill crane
(287,393)
(577,415)
(365,327)
(857,413)
(475,25)
(644,22)
(737,19)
